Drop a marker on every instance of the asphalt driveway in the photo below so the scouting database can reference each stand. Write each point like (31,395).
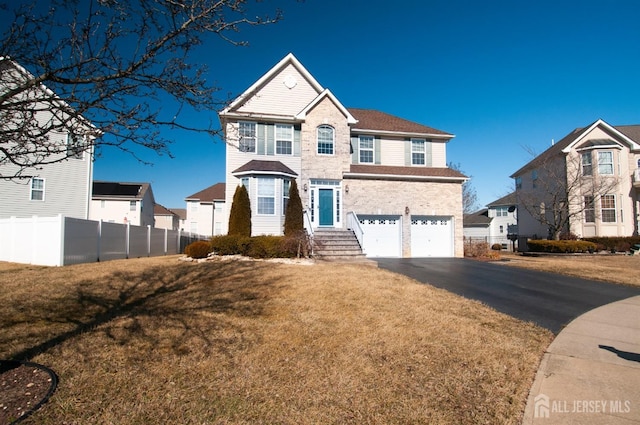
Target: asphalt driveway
(547,299)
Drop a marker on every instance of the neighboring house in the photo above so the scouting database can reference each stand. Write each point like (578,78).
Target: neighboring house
(206,211)
(493,224)
(182,217)
(165,218)
(117,202)
(59,188)
(388,172)
(596,167)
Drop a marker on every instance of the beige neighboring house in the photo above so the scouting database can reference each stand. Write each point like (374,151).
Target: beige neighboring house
(598,168)
(351,165)
(182,217)
(59,188)
(206,211)
(165,218)
(117,202)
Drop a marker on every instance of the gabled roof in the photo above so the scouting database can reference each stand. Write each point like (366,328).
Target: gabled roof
(507,200)
(479,218)
(161,210)
(180,212)
(373,121)
(264,167)
(118,190)
(326,93)
(388,172)
(630,134)
(290,59)
(210,194)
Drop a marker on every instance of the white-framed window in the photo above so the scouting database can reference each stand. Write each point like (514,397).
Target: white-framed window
(193,227)
(325,140)
(608,208)
(74,146)
(418,151)
(266,195)
(501,229)
(284,139)
(589,209)
(502,211)
(37,189)
(587,165)
(245,182)
(605,163)
(518,182)
(247,132)
(286,187)
(132,205)
(365,149)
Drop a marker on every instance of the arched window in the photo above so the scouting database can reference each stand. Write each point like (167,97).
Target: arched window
(325,140)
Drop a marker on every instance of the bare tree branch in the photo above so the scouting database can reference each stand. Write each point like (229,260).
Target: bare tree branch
(118,65)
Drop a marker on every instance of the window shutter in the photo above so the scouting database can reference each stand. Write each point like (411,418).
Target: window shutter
(296,140)
(427,153)
(261,138)
(271,139)
(376,150)
(407,152)
(355,148)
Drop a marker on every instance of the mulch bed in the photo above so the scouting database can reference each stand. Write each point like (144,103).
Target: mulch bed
(24,387)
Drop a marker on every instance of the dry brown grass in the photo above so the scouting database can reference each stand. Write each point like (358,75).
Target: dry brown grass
(157,341)
(624,269)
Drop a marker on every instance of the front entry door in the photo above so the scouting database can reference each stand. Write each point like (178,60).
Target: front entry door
(325,207)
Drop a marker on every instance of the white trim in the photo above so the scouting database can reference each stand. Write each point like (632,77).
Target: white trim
(633,145)
(373,148)
(403,177)
(302,115)
(289,59)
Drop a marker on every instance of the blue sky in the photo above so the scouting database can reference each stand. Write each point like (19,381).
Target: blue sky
(506,77)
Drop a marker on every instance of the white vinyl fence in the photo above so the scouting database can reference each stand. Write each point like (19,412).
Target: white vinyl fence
(60,241)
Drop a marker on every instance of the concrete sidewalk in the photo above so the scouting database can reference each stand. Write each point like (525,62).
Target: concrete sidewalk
(590,373)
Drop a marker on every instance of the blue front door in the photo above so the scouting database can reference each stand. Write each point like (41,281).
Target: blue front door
(325,207)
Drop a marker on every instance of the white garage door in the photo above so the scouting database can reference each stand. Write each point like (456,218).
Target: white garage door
(431,236)
(382,235)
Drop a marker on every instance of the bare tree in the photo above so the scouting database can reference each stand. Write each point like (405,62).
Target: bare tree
(563,192)
(469,195)
(126,67)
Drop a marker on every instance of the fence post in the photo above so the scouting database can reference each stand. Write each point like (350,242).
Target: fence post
(166,241)
(127,239)
(148,240)
(62,223)
(98,251)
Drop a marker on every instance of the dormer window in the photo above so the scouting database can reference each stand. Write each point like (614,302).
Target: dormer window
(247,137)
(325,140)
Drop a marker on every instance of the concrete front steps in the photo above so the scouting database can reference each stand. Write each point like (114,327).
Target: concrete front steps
(337,245)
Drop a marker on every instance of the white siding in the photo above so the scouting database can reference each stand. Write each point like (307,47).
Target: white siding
(276,98)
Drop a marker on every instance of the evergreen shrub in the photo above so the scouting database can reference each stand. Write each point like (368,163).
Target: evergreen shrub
(198,249)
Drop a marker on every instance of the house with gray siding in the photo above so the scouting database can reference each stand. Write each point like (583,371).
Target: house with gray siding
(63,185)
(354,167)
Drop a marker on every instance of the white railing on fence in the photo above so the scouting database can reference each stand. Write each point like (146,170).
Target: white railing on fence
(60,241)
(353,223)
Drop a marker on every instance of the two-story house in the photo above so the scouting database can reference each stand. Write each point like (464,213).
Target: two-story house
(59,140)
(494,224)
(206,211)
(117,202)
(354,167)
(165,218)
(587,184)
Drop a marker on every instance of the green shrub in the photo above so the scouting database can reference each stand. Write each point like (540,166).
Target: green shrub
(240,214)
(198,249)
(614,244)
(293,219)
(230,244)
(563,247)
(269,247)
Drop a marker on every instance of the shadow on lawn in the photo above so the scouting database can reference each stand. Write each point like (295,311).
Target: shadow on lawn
(185,303)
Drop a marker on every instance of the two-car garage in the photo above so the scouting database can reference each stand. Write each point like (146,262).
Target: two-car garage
(431,236)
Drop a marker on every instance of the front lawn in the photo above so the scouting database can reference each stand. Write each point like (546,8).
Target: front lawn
(158,341)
